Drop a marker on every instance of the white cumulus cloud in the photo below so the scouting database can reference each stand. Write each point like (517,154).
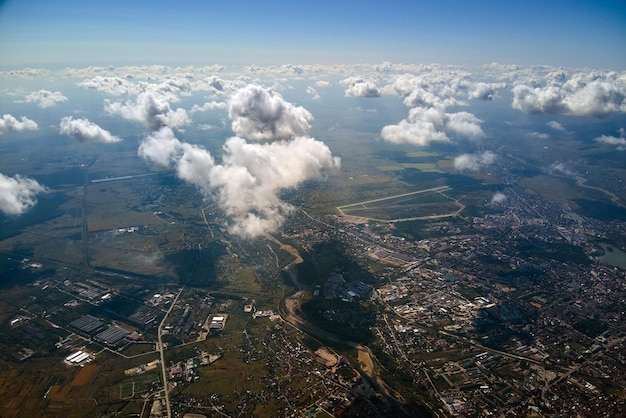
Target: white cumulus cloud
(428,124)
(151,109)
(8,123)
(474,162)
(113,86)
(262,114)
(498,198)
(45,98)
(485,91)
(161,147)
(18,194)
(358,87)
(620,140)
(247,183)
(556,126)
(576,97)
(85,130)
(538,135)
(313,93)
(561,168)
(209,106)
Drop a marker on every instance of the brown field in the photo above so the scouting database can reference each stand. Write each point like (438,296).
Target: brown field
(85,376)
(59,393)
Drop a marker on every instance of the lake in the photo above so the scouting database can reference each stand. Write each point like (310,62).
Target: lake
(613,256)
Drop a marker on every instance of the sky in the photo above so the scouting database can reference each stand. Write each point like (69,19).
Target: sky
(58,33)
(245,100)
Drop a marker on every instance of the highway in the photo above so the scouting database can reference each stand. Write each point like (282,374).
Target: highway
(168,405)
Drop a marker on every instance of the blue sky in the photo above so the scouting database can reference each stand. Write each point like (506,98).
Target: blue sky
(78,33)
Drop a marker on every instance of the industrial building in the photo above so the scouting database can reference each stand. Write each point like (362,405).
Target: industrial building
(112,335)
(88,324)
(78,358)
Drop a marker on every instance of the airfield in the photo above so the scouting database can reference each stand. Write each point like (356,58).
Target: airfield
(429,202)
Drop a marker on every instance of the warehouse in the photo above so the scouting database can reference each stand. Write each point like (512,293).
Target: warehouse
(112,335)
(88,324)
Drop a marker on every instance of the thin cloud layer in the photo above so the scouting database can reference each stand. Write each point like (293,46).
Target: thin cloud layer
(262,114)
(85,130)
(151,109)
(18,194)
(474,162)
(45,98)
(8,123)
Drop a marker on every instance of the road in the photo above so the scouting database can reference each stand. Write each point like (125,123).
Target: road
(168,405)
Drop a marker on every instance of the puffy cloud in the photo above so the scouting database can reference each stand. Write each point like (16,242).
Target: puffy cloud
(216,85)
(314,94)
(576,97)
(538,135)
(416,132)
(498,198)
(247,183)
(85,130)
(113,86)
(421,97)
(262,114)
(358,87)
(18,194)
(26,73)
(169,88)
(45,98)
(464,124)
(153,110)
(556,126)
(405,84)
(474,162)
(562,168)
(428,124)
(597,99)
(209,106)
(161,147)
(620,140)
(417,91)
(252,175)
(8,123)
(538,100)
(212,83)
(322,83)
(485,91)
